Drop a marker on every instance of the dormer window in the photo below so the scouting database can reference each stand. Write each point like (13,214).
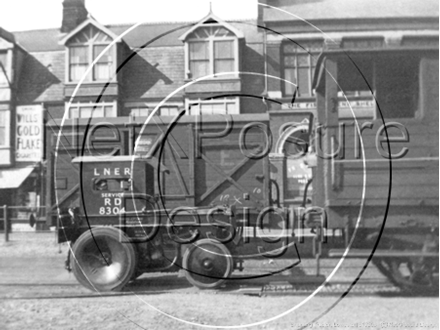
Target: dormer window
(86,44)
(84,49)
(211,48)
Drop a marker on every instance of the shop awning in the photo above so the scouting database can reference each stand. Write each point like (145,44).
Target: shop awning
(13,177)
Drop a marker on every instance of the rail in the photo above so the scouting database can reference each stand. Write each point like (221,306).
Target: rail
(20,215)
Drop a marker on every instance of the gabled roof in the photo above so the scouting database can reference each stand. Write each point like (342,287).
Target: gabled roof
(165,35)
(45,40)
(87,22)
(211,18)
(349,9)
(8,36)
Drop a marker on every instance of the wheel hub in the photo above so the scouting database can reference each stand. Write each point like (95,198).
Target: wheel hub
(207,264)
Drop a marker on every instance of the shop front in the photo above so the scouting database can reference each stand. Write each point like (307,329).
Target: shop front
(22,183)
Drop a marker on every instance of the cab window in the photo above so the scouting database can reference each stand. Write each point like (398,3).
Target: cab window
(116,185)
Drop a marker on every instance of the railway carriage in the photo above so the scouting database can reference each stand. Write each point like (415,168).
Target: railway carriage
(377,170)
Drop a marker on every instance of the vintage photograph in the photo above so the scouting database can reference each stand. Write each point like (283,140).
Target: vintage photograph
(219,164)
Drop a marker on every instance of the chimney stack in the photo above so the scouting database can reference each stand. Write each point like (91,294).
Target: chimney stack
(74,13)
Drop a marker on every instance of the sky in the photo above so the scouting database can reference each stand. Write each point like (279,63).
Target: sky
(20,15)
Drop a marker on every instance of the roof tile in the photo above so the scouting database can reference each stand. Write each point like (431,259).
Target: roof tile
(349,9)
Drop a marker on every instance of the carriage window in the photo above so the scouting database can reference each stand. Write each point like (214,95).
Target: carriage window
(397,86)
(355,81)
(111,184)
(355,76)
(295,148)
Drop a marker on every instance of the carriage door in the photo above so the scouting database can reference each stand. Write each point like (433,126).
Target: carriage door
(294,146)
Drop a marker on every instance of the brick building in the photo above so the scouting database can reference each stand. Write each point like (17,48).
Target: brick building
(137,69)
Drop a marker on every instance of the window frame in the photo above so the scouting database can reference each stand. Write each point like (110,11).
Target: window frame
(384,76)
(151,106)
(211,40)
(6,74)
(136,112)
(7,127)
(312,54)
(194,109)
(90,44)
(80,105)
(169,107)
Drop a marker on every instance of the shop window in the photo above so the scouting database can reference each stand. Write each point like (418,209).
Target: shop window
(92,110)
(211,49)
(299,61)
(3,68)
(86,46)
(227,106)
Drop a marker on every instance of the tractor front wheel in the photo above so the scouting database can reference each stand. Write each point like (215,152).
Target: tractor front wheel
(103,259)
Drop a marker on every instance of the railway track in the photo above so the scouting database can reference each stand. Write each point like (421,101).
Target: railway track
(271,288)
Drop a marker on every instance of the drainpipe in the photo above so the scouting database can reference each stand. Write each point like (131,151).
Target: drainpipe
(265,92)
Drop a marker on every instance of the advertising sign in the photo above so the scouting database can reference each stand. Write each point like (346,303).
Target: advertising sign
(29,133)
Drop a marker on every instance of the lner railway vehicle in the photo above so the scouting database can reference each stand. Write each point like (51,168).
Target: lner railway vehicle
(377,174)
(204,199)
(193,196)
